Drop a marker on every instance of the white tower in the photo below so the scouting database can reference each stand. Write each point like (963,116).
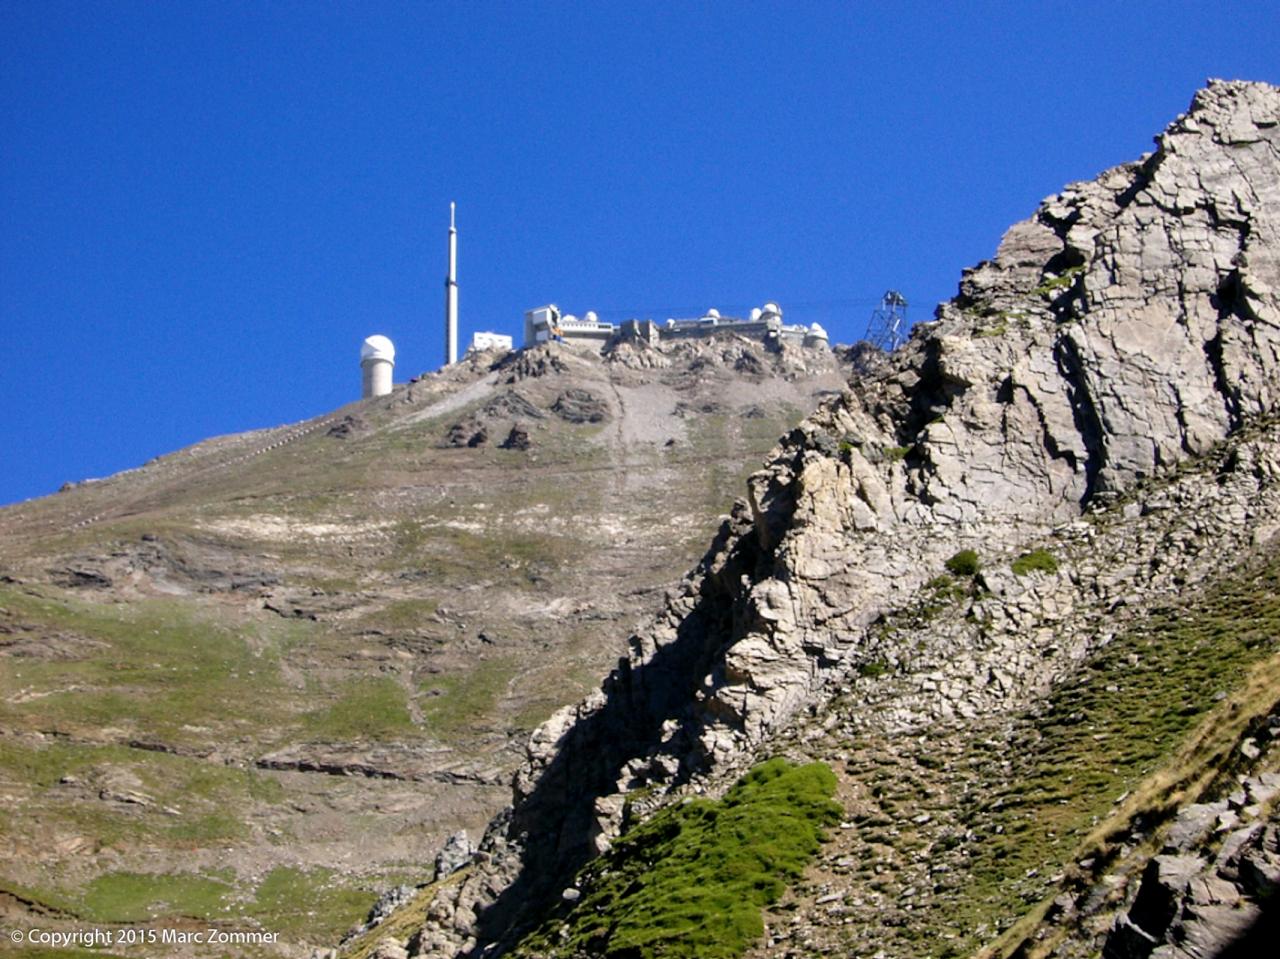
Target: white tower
(377,357)
(451,296)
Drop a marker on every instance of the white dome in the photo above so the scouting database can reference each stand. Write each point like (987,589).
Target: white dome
(756,314)
(590,316)
(815,329)
(773,308)
(713,312)
(377,347)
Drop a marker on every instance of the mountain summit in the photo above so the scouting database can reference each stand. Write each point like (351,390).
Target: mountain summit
(1024,529)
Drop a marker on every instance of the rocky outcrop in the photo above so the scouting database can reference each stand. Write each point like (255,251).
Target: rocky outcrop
(580,406)
(510,404)
(467,433)
(1132,324)
(347,427)
(517,439)
(380,761)
(1189,905)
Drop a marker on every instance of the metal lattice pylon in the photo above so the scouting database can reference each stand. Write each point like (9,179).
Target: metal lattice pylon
(888,324)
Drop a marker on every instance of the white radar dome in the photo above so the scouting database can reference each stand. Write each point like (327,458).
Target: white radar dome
(377,347)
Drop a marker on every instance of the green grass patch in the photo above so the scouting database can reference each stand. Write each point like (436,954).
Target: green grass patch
(403,614)
(940,594)
(365,709)
(1036,561)
(44,765)
(125,897)
(209,799)
(1056,284)
(315,905)
(452,555)
(160,668)
(690,882)
(964,563)
(208,829)
(140,897)
(458,703)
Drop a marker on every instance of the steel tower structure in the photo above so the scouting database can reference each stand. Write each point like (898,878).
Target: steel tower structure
(887,328)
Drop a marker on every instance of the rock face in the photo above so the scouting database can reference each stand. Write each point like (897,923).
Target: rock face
(1188,907)
(1131,325)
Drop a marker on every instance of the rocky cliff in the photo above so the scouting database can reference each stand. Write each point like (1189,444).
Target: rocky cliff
(1083,436)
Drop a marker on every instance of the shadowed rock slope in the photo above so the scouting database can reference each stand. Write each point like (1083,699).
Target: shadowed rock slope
(999,574)
(258,681)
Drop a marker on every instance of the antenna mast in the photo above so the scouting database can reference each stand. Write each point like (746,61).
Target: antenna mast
(451,296)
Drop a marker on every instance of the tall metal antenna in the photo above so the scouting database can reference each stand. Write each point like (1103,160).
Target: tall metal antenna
(451,296)
(888,324)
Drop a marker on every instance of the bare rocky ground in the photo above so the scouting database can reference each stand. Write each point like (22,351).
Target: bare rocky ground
(260,681)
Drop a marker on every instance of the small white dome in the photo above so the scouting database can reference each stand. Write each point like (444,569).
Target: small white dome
(713,312)
(755,314)
(773,308)
(815,329)
(377,347)
(590,316)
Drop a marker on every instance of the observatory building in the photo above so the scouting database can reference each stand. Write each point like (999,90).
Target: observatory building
(490,341)
(547,323)
(377,359)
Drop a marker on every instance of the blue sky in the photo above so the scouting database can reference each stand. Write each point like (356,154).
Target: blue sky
(204,207)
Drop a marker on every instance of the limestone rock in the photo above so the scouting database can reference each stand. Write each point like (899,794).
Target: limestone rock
(389,948)
(457,852)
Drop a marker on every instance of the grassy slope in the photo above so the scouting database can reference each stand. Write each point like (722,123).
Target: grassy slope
(690,881)
(432,537)
(956,835)
(157,672)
